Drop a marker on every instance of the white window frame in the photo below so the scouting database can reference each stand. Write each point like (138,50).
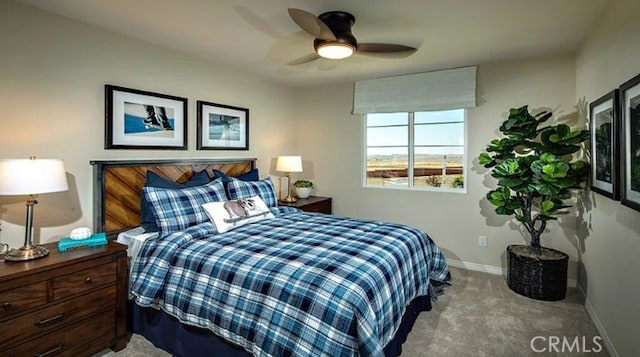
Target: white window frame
(411,153)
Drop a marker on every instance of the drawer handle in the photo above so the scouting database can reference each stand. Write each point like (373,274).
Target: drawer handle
(53,350)
(49,320)
(87,280)
(6,305)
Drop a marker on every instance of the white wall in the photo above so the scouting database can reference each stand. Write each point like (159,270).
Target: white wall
(330,140)
(610,270)
(53,72)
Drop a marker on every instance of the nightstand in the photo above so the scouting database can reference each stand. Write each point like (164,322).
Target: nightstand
(69,303)
(311,204)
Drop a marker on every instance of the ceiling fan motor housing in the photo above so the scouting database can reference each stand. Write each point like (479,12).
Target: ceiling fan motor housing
(340,23)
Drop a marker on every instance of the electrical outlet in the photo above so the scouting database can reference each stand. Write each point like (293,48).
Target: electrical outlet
(483,241)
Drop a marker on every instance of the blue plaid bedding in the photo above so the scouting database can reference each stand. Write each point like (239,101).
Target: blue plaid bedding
(300,284)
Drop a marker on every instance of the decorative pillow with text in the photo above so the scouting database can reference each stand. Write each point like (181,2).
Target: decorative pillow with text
(235,213)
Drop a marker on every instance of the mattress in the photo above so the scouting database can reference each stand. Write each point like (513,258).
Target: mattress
(134,239)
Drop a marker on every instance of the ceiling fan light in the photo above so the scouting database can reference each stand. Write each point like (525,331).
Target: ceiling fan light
(335,50)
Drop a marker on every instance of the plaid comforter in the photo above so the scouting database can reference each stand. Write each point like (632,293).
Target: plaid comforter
(300,284)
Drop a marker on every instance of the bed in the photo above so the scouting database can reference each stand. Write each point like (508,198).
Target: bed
(290,283)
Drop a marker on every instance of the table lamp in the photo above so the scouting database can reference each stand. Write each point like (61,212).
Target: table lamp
(289,164)
(31,177)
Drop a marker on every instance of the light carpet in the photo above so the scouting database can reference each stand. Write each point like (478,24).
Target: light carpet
(479,316)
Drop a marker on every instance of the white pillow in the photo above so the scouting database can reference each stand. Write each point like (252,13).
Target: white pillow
(228,215)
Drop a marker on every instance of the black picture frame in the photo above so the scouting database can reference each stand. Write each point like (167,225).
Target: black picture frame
(138,119)
(630,118)
(221,127)
(605,145)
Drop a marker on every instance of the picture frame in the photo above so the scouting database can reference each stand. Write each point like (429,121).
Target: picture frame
(137,119)
(221,127)
(605,145)
(630,103)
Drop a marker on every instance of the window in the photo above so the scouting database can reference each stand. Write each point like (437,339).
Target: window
(416,150)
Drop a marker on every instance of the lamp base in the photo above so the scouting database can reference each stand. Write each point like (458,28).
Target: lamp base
(289,199)
(26,253)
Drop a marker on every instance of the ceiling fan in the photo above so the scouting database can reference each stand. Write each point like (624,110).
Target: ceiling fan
(334,40)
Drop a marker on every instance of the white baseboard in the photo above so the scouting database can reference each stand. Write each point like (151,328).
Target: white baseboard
(475,266)
(596,321)
(491,269)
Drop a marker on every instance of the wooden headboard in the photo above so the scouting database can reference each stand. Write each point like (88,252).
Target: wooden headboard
(118,185)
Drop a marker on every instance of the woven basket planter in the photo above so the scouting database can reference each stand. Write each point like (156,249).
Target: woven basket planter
(541,277)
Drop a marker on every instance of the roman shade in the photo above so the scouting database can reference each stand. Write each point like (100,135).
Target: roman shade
(438,90)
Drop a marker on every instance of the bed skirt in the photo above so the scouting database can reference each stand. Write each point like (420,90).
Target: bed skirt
(167,333)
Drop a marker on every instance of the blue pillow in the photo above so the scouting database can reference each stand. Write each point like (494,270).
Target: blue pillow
(252,175)
(238,189)
(177,209)
(147,219)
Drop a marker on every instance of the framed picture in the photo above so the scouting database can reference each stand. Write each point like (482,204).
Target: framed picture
(605,147)
(222,127)
(136,119)
(630,102)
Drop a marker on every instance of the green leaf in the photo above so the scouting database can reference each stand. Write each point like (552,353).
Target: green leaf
(556,169)
(547,189)
(554,138)
(515,203)
(578,165)
(572,135)
(499,196)
(580,170)
(561,140)
(507,168)
(543,117)
(547,157)
(484,159)
(502,210)
(547,207)
(567,182)
(563,130)
(510,182)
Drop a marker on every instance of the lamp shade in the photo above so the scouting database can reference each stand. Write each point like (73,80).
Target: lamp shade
(289,164)
(32,176)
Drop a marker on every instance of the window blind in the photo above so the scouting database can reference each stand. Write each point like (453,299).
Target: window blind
(438,90)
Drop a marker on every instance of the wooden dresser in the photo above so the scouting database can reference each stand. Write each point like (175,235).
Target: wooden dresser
(66,304)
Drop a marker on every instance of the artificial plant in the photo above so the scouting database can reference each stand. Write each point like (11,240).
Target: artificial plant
(536,169)
(304,184)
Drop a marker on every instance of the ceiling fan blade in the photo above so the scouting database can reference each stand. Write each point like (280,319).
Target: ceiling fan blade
(311,24)
(386,49)
(304,59)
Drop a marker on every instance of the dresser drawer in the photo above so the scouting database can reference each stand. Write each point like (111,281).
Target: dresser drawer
(22,299)
(85,280)
(320,207)
(57,316)
(81,339)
